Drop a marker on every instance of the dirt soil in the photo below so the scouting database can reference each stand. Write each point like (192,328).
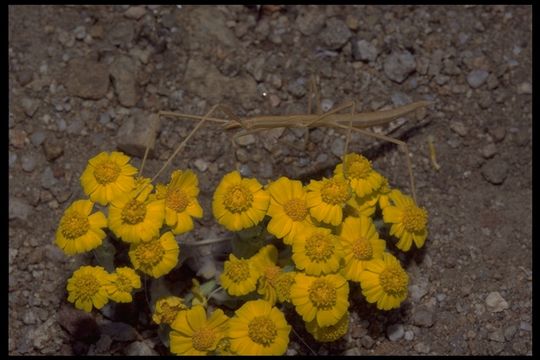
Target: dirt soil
(85,79)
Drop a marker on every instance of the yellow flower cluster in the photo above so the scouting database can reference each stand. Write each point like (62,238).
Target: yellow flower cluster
(329,227)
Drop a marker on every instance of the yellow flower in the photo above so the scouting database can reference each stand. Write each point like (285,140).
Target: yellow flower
(135,217)
(156,257)
(409,222)
(329,333)
(180,200)
(224,347)
(193,334)
(283,284)
(258,328)
(123,281)
(239,203)
(167,308)
(327,198)
(79,231)
(324,298)
(364,206)
(357,169)
(106,176)
(384,192)
(239,276)
(317,251)
(265,262)
(384,282)
(87,287)
(361,244)
(288,209)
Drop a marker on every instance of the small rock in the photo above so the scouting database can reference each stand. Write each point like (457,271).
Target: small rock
(12,159)
(395,332)
(409,335)
(311,21)
(335,34)
(495,302)
(103,345)
(17,138)
(417,292)
(19,209)
(489,151)
(498,133)
(352,352)
(497,336)
(87,79)
(297,87)
(524,88)
(509,332)
(38,137)
(363,50)
(135,12)
(29,317)
(52,148)
(30,106)
(496,347)
(338,147)
(65,38)
(291,352)
(459,128)
(255,67)
(476,78)
(121,33)
(136,132)
(245,140)
(119,331)
(48,181)
(139,348)
(28,163)
(123,71)
(80,32)
(367,342)
(495,171)
(266,170)
(399,65)
(440,297)
(423,318)
(326,105)
(422,348)
(25,77)
(201,165)
(525,326)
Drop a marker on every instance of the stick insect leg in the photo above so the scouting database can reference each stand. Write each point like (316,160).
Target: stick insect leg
(392,140)
(333,111)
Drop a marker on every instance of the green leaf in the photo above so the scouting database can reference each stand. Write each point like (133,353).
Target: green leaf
(105,255)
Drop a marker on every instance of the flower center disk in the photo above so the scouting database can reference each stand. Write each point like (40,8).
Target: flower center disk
(177,200)
(237,271)
(414,218)
(262,330)
(238,199)
(74,225)
(394,281)
(357,167)
(319,247)
(87,285)
(362,249)
(134,212)
(149,253)
(296,209)
(335,191)
(322,294)
(106,172)
(203,339)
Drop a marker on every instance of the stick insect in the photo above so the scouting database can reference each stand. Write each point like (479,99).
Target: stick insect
(352,121)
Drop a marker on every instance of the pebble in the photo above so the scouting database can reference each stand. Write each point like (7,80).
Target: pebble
(525,326)
(30,106)
(121,33)
(255,67)
(422,348)
(28,162)
(497,336)
(29,317)
(245,140)
(297,87)
(12,159)
(124,70)
(423,318)
(509,332)
(311,21)
(87,79)
(326,105)
(335,34)
(266,170)
(363,50)
(132,137)
(476,78)
(495,170)
(52,148)
(352,352)
(38,137)
(459,128)
(495,302)
(338,146)
(19,209)
(135,12)
(140,348)
(119,331)
(367,342)
(291,352)
(103,344)
(489,151)
(48,181)
(201,165)
(409,335)
(399,65)
(25,77)
(498,133)
(65,38)
(524,88)
(395,332)
(417,292)
(79,32)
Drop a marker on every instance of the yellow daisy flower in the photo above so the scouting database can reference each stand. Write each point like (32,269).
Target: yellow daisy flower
(384,282)
(239,276)
(317,251)
(192,333)
(180,200)
(288,209)
(135,217)
(258,328)
(409,222)
(324,298)
(106,176)
(364,206)
(327,198)
(384,192)
(79,231)
(361,244)
(123,281)
(87,287)
(239,203)
(283,284)
(357,169)
(156,257)
(329,333)
(265,262)
(167,308)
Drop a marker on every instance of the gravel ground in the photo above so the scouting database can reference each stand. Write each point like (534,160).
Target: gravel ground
(85,79)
